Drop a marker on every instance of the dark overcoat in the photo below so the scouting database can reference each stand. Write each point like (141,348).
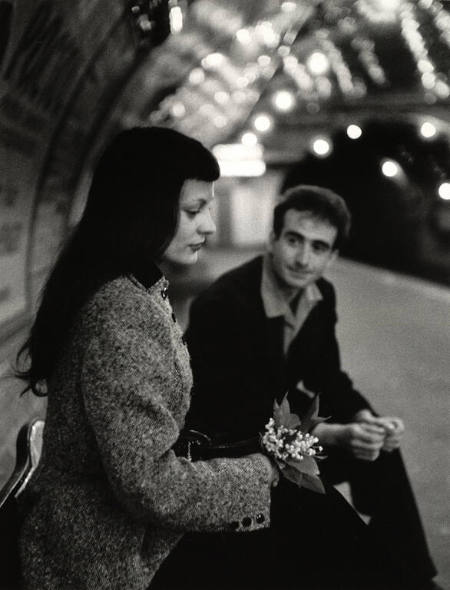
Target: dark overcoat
(239,364)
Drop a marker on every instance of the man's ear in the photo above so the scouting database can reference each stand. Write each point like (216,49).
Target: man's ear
(271,241)
(334,254)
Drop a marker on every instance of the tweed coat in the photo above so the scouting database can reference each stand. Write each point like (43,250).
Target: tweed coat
(110,499)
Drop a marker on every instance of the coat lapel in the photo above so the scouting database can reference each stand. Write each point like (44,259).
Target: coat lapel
(273,342)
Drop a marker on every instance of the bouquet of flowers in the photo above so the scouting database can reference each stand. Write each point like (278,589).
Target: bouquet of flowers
(288,440)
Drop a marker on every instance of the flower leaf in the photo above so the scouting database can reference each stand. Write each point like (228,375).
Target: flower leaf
(312,414)
(313,483)
(282,414)
(293,475)
(307,465)
(315,421)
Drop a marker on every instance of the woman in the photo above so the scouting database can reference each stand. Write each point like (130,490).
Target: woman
(110,499)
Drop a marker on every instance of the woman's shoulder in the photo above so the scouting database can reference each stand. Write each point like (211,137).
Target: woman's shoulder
(124,304)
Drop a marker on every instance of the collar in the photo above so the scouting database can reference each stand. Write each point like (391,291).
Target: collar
(147,275)
(275,302)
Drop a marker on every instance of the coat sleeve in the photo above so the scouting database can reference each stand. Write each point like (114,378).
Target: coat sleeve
(340,399)
(124,387)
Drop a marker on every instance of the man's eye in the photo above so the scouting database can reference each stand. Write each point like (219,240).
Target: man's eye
(320,248)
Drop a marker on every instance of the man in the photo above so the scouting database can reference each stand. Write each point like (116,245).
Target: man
(267,328)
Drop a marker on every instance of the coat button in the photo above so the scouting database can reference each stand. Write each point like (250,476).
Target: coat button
(247,521)
(174,317)
(260,518)
(164,293)
(234,525)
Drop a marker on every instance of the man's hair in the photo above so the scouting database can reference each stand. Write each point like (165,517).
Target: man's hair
(321,203)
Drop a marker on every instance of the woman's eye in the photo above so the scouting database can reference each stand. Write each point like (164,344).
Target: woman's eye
(192,213)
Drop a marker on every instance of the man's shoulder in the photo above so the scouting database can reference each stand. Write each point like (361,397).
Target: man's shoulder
(240,280)
(326,288)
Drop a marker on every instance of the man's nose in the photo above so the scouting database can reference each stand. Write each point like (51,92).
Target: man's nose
(303,255)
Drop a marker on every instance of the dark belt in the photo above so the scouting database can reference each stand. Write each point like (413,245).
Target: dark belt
(195,445)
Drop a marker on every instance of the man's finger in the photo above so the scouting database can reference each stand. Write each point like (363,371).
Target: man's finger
(369,436)
(366,456)
(373,429)
(366,446)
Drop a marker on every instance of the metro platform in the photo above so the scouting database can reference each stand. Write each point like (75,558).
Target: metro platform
(394,334)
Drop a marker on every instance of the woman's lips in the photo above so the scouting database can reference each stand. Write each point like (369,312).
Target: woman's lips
(196,247)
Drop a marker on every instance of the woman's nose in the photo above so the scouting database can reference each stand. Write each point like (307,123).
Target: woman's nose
(207,225)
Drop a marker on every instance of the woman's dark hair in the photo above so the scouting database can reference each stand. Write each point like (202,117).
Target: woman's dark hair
(130,217)
(321,203)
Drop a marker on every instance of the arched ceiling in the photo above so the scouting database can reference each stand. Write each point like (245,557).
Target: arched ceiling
(303,63)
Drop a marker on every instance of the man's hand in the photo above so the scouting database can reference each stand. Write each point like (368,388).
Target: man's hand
(393,427)
(363,440)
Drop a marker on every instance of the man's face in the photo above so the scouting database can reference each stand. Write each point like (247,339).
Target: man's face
(303,250)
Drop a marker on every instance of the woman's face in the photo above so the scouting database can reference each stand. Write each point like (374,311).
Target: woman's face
(195,223)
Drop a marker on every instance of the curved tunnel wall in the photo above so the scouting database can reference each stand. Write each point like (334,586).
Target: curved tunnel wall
(63,66)
(70,75)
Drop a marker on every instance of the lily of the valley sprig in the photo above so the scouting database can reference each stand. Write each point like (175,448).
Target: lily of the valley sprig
(290,442)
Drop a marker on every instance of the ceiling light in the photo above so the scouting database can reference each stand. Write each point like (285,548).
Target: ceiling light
(264,60)
(243,36)
(288,6)
(220,121)
(178,110)
(284,100)
(283,50)
(236,159)
(427,129)
(267,34)
(321,146)
(176,19)
(263,122)
(444,191)
(442,89)
(213,61)
(390,168)
(354,131)
(197,76)
(249,139)
(428,80)
(221,97)
(318,63)
(242,81)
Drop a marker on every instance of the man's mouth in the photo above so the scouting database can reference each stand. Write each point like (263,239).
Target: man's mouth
(299,272)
